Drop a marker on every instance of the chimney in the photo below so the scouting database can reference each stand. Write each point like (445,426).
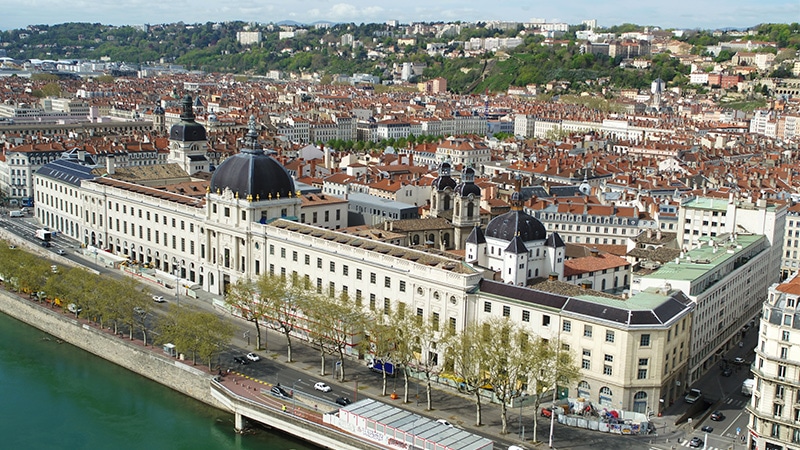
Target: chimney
(552,277)
(111,164)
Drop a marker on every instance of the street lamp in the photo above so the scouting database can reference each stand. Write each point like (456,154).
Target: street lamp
(294,398)
(177,286)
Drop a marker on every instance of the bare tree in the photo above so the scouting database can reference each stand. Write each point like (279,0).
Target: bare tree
(550,366)
(424,338)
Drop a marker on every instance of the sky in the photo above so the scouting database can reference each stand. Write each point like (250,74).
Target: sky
(704,14)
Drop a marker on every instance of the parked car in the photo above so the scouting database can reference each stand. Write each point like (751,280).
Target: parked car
(45,244)
(73,308)
(253,357)
(547,411)
(344,401)
(444,422)
(239,360)
(322,387)
(158,299)
(696,442)
(707,429)
(280,392)
(139,310)
(716,416)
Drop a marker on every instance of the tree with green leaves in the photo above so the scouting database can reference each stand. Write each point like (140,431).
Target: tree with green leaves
(198,333)
(380,339)
(245,298)
(424,335)
(466,358)
(552,367)
(332,325)
(282,301)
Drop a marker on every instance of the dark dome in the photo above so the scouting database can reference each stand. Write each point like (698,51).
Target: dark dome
(187,130)
(508,225)
(444,180)
(467,185)
(253,174)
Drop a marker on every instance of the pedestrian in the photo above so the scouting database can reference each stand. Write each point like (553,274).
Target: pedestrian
(284,408)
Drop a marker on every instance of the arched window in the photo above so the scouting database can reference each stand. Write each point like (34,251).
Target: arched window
(446,202)
(605,390)
(641,395)
(470,210)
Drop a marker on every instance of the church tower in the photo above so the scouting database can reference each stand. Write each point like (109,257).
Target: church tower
(466,211)
(187,141)
(442,193)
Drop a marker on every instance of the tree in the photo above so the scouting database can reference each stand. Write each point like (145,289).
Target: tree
(379,339)
(201,334)
(466,357)
(282,299)
(508,362)
(244,297)
(423,336)
(332,323)
(552,367)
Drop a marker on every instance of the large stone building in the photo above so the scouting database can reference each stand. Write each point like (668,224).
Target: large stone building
(774,413)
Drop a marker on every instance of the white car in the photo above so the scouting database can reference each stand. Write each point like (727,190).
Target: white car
(322,387)
(158,299)
(444,422)
(61,252)
(253,357)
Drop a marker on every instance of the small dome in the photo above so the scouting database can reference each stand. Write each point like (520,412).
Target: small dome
(467,185)
(444,180)
(187,130)
(516,223)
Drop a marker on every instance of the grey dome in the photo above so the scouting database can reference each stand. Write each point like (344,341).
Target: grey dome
(187,130)
(252,172)
(507,226)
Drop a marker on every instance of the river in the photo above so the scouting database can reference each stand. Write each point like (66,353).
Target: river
(56,396)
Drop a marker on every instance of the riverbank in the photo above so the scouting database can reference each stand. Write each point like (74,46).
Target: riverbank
(150,362)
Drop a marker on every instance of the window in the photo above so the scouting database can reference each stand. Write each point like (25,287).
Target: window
(372,278)
(345,270)
(294,256)
(608,358)
(644,341)
(607,370)
(586,364)
(453,324)
(283,253)
(435,321)
(587,331)
(387,306)
(642,361)
(526,316)
(641,374)
(319,263)
(358,274)
(566,326)
(545,320)
(609,336)
(387,282)
(506,311)
(372,302)
(487,307)
(402,286)
(308,259)
(785,336)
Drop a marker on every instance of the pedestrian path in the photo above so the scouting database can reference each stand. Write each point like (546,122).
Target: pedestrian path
(737,403)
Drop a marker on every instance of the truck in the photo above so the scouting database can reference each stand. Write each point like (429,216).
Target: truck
(379,366)
(44,235)
(17,213)
(693,396)
(747,386)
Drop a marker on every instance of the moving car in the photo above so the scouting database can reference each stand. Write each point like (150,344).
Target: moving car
(344,401)
(139,310)
(738,360)
(727,372)
(280,392)
(696,442)
(322,387)
(158,299)
(717,415)
(253,357)
(239,360)
(707,429)
(60,252)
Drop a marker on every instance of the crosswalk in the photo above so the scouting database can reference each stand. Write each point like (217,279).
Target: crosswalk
(737,403)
